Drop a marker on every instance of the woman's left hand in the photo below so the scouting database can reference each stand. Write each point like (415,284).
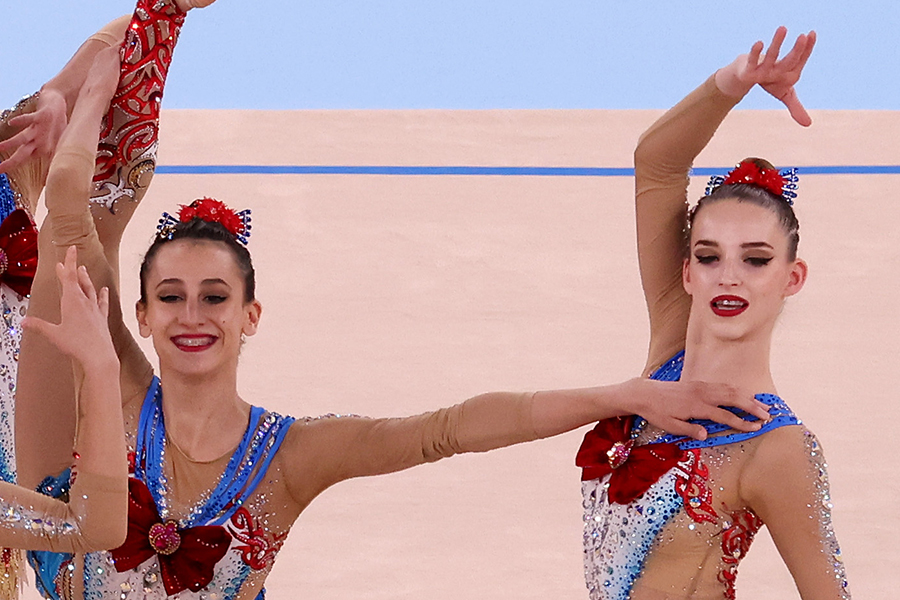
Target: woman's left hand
(40,132)
(83,333)
(777,77)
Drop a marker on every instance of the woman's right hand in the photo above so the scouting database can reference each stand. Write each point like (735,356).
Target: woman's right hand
(777,77)
(670,405)
(83,332)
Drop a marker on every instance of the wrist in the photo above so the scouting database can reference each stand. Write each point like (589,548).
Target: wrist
(623,399)
(730,84)
(102,364)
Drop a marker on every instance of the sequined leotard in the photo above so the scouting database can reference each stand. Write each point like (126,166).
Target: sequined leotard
(671,519)
(663,518)
(257,492)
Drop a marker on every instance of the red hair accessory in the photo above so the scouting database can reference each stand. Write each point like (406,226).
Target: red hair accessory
(779,183)
(211,211)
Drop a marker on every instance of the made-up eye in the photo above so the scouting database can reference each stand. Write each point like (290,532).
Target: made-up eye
(759,261)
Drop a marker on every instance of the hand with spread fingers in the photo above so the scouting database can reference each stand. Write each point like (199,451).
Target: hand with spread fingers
(38,134)
(83,333)
(776,76)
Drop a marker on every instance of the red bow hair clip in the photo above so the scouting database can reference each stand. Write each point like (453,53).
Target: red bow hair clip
(211,211)
(779,183)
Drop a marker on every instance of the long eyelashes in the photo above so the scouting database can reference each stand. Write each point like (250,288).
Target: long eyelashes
(756,261)
(759,261)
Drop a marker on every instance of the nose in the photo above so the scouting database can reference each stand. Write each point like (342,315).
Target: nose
(191,313)
(729,274)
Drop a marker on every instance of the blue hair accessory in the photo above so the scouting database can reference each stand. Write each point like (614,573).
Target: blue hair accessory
(211,211)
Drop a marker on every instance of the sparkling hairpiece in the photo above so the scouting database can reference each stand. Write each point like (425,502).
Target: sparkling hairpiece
(782,183)
(211,211)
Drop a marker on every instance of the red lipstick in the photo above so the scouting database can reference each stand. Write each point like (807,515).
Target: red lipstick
(728,306)
(193,342)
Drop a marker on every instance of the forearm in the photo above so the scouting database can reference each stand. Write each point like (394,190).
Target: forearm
(70,79)
(662,163)
(100,441)
(668,148)
(559,411)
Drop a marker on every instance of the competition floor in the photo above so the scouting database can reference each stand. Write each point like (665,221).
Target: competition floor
(391,294)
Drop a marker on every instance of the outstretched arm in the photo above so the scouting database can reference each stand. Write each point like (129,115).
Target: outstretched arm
(322,452)
(95,518)
(662,163)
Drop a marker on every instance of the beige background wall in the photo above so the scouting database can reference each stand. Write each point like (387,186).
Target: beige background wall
(390,295)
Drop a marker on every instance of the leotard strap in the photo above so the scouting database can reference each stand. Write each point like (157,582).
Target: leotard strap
(780,415)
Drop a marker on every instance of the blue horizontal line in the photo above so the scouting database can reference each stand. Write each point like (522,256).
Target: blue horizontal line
(469,171)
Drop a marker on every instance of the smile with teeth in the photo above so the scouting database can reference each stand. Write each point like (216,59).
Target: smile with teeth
(728,306)
(193,343)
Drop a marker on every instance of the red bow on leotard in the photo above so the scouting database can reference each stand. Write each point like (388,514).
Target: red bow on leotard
(608,448)
(18,251)
(187,557)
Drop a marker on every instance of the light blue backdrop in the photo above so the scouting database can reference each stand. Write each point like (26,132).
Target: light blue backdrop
(286,54)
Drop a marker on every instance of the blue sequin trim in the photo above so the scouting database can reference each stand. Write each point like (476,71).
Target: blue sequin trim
(780,415)
(242,475)
(7,197)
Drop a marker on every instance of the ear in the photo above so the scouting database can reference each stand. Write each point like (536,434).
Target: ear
(797,277)
(252,313)
(140,311)
(686,275)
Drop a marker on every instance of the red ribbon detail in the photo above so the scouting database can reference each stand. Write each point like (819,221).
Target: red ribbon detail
(190,565)
(18,251)
(601,453)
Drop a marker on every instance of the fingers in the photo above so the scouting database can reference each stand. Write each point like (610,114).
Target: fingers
(103,302)
(795,107)
(17,140)
(22,154)
(720,415)
(753,57)
(676,427)
(86,285)
(775,46)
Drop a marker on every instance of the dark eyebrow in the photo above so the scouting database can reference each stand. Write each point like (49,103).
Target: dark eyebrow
(172,280)
(212,281)
(215,281)
(745,246)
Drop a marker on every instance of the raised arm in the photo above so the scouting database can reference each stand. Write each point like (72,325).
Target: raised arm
(786,484)
(45,413)
(95,517)
(662,163)
(31,133)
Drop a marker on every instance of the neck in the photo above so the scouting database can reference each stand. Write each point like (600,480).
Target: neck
(743,363)
(205,416)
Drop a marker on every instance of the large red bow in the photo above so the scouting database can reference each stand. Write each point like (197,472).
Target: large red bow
(187,557)
(608,448)
(18,251)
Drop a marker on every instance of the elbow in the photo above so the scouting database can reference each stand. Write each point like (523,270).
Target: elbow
(105,532)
